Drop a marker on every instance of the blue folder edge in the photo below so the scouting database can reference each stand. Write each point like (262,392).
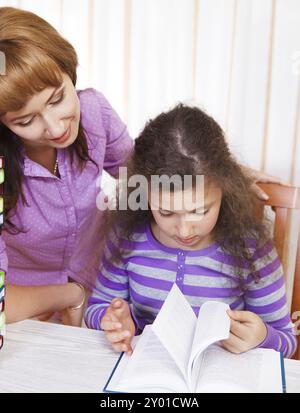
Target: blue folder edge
(282,373)
(283,380)
(112,373)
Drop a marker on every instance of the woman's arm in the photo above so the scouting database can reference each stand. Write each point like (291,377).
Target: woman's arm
(23,302)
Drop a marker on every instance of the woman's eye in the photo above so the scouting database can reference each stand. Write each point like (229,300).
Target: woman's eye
(60,99)
(27,123)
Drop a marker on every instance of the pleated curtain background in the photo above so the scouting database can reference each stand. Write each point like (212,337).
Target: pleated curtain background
(237,59)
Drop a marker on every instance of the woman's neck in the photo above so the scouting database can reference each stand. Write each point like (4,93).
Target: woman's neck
(44,156)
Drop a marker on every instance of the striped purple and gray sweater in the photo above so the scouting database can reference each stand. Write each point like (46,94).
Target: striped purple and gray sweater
(148,270)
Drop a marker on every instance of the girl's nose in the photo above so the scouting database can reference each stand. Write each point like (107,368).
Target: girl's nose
(185,229)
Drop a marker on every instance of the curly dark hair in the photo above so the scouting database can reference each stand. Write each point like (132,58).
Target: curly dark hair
(186,141)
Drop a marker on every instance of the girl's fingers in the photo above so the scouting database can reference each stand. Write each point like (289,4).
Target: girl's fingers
(229,347)
(235,344)
(116,336)
(110,325)
(113,312)
(116,303)
(129,351)
(119,347)
(119,308)
(110,321)
(242,316)
(129,348)
(110,315)
(238,329)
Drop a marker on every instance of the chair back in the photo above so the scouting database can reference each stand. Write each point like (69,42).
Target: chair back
(285,202)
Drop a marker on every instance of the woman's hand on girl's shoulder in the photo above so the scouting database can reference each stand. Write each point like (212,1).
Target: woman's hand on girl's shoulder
(259,176)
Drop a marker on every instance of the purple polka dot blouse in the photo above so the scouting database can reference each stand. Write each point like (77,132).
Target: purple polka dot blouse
(61,221)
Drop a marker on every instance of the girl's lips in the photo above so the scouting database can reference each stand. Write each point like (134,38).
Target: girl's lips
(186,240)
(64,137)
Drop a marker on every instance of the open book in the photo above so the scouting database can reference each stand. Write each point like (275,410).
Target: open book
(180,353)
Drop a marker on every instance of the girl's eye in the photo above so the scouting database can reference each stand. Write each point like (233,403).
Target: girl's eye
(165,214)
(60,99)
(201,212)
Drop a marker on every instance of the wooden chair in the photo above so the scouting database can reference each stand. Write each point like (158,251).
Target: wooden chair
(285,202)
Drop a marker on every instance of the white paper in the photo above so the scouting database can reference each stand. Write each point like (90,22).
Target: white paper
(213,325)
(175,327)
(255,371)
(150,368)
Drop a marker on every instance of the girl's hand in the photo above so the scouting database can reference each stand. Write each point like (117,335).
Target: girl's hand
(247,331)
(118,325)
(258,176)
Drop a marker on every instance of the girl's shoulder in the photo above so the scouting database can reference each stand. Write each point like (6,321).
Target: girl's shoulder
(122,246)
(259,248)
(138,234)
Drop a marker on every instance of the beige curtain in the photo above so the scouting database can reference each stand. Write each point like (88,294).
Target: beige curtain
(238,59)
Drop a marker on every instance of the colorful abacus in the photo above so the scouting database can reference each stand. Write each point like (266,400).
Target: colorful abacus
(2,273)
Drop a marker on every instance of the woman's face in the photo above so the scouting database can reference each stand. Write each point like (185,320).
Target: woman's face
(49,118)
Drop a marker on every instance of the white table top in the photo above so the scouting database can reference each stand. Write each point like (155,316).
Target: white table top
(45,357)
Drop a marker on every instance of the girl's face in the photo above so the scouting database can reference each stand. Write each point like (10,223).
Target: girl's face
(188,228)
(49,118)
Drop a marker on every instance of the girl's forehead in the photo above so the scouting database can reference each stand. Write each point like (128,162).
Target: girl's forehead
(187,199)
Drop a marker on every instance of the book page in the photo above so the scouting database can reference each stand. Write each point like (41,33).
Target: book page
(255,371)
(213,325)
(149,369)
(175,327)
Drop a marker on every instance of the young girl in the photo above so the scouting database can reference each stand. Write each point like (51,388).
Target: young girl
(213,249)
(56,141)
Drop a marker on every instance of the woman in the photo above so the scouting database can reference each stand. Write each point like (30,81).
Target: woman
(56,142)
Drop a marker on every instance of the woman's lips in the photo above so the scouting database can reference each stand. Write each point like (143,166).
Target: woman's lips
(64,137)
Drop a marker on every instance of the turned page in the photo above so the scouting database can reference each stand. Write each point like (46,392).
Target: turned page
(175,327)
(213,325)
